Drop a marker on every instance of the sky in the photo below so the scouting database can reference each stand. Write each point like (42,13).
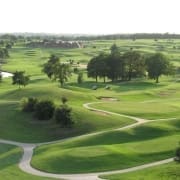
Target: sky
(90,16)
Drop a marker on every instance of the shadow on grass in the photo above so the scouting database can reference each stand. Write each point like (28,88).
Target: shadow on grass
(140,133)
(118,86)
(10,156)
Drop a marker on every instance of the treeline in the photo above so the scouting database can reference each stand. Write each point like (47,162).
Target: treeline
(132,64)
(154,36)
(79,37)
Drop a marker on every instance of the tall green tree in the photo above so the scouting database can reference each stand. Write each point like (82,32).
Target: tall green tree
(134,64)
(92,68)
(62,72)
(48,68)
(20,78)
(56,70)
(97,67)
(157,65)
(115,64)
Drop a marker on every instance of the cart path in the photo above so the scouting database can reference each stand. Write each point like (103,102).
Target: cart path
(25,162)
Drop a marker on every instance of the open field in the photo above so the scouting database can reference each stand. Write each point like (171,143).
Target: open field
(110,150)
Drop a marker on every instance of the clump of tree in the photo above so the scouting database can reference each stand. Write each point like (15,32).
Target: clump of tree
(20,78)
(131,64)
(116,66)
(56,70)
(63,114)
(157,65)
(97,67)
(46,110)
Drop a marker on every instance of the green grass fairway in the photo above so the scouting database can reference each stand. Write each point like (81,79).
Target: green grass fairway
(112,150)
(19,126)
(9,158)
(163,172)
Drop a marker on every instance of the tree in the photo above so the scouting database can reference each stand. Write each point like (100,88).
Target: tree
(48,68)
(158,65)
(56,70)
(19,78)
(28,105)
(44,110)
(63,116)
(80,77)
(134,64)
(92,68)
(97,67)
(115,64)
(64,100)
(102,66)
(62,72)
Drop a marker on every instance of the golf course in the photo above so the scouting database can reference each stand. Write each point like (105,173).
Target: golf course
(122,129)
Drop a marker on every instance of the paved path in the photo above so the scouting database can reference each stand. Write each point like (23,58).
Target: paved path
(28,148)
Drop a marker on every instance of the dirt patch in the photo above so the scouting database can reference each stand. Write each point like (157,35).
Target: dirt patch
(101,113)
(83,66)
(167,92)
(107,98)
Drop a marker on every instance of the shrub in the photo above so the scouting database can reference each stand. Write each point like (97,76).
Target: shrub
(64,100)
(80,78)
(44,110)
(28,105)
(177,158)
(63,116)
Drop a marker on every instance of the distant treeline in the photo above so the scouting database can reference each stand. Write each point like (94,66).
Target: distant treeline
(154,36)
(79,37)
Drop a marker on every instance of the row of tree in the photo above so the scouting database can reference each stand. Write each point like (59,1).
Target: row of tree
(131,64)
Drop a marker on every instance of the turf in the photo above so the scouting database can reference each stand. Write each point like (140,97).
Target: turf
(111,150)
(9,158)
(164,172)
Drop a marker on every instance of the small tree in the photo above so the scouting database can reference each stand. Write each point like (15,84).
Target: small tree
(64,100)
(63,116)
(158,65)
(20,79)
(56,70)
(44,110)
(80,78)
(28,105)
(177,158)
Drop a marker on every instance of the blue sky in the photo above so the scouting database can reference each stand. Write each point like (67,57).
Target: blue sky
(90,16)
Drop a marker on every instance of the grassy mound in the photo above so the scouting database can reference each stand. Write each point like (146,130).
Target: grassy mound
(166,172)
(110,150)
(9,158)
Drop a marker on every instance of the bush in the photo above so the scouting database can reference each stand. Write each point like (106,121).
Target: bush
(64,100)
(44,110)
(177,158)
(63,116)
(28,105)
(80,78)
